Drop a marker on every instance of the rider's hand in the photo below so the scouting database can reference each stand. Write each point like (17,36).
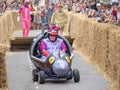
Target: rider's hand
(63,50)
(45,53)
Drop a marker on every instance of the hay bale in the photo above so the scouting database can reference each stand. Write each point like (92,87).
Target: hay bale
(10,24)
(68,24)
(114,57)
(6,27)
(115,85)
(6,30)
(3,74)
(1,29)
(101,46)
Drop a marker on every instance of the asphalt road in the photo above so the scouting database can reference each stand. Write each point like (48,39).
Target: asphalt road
(19,69)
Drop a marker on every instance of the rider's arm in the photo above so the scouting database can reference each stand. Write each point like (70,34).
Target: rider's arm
(43,48)
(63,47)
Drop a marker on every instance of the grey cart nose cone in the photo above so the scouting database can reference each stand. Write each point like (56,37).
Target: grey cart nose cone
(60,67)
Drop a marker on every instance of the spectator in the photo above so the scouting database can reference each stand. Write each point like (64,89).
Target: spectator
(37,19)
(117,21)
(69,5)
(118,2)
(43,15)
(99,11)
(118,16)
(59,18)
(114,1)
(25,16)
(34,16)
(114,13)
(3,6)
(93,9)
(50,12)
(106,16)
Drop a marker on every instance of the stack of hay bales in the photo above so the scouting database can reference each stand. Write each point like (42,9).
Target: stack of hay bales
(6,30)
(6,27)
(114,57)
(100,43)
(8,24)
(3,74)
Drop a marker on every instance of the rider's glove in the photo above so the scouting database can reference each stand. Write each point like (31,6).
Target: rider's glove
(45,53)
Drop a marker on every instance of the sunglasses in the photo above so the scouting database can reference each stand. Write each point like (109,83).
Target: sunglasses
(53,35)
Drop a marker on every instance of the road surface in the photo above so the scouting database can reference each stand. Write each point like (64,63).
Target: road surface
(19,69)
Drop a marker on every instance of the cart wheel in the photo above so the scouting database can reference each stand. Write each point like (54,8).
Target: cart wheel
(76,75)
(41,77)
(35,76)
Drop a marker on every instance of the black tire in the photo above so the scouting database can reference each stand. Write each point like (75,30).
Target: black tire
(76,75)
(41,77)
(35,76)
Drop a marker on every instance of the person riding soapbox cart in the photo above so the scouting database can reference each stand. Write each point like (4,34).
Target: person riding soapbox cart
(56,66)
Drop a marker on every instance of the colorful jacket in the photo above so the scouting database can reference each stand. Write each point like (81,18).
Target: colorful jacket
(49,46)
(25,13)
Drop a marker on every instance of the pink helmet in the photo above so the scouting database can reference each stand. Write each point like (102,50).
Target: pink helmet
(53,29)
